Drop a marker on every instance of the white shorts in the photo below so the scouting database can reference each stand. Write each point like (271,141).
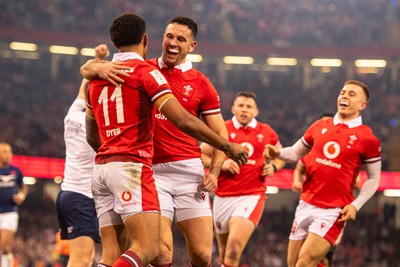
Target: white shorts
(125,187)
(9,221)
(179,189)
(320,221)
(224,208)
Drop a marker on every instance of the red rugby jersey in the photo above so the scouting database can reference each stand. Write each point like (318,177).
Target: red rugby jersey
(198,96)
(254,138)
(124,113)
(338,152)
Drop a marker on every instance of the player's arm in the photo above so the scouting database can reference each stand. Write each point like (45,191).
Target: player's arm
(228,165)
(21,195)
(290,154)
(298,177)
(191,125)
(272,166)
(100,68)
(92,131)
(368,189)
(216,123)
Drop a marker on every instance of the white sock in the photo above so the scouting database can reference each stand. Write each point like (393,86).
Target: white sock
(7,260)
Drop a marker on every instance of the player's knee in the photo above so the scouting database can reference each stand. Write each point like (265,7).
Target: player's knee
(200,258)
(234,251)
(164,254)
(306,260)
(5,249)
(291,261)
(150,254)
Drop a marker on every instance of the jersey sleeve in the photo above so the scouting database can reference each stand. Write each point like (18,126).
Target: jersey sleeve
(155,83)
(308,137)
(77,106)
(273,136)
(372,151)
(20,176)
(211,102)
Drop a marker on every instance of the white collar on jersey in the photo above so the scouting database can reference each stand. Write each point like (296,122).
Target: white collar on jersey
(351,124)
(187,65)
(126,56)
(237,124)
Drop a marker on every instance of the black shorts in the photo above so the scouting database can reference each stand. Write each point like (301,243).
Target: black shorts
(77,216)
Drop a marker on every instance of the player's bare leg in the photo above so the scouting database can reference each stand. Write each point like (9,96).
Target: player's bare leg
(6,241)
(166,244)
(198,233)
(293,251)
(240,230)
(81,252)
(313,250)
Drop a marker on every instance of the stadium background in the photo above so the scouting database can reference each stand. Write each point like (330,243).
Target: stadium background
(37,87)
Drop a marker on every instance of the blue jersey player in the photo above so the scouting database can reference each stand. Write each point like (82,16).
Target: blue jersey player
(12,193)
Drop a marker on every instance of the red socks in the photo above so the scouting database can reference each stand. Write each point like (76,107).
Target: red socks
(128,259)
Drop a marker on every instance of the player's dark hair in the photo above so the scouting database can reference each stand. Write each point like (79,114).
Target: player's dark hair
(186,21)
(330,115)
(246,94)
(362,85)
(127,29)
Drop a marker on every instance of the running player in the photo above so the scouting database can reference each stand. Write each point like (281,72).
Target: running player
(340,146)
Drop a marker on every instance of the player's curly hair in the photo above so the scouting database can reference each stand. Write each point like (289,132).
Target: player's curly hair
(127,29)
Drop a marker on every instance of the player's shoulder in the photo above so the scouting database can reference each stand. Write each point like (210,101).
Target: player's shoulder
(367,132)
(153,62)
(196,75)
(14,168)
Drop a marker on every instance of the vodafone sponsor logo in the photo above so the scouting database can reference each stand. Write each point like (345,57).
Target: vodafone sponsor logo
(160,116)
(249,148)
(126,196)
(331,150)
(329,163)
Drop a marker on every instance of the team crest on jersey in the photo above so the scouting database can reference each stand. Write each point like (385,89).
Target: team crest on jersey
(324,131)
(260,137)
(187,90)
(331,149)
(233,135)
(352,140)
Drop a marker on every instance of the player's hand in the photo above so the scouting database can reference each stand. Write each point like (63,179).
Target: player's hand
(101,52)
(230,166)
(18,198)
(210,182)
(349,213)
(270,152)
(110,71)
(237,153)
(297,186)
(268,169)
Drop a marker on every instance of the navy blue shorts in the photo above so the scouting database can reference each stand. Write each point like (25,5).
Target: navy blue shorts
(77,216)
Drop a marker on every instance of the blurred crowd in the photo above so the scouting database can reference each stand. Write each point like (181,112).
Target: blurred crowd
(274,22)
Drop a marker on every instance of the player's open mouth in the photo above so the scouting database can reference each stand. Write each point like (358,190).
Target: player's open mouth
(344,103)
(172,52)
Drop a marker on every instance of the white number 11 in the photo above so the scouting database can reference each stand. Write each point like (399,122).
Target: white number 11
(117,97)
